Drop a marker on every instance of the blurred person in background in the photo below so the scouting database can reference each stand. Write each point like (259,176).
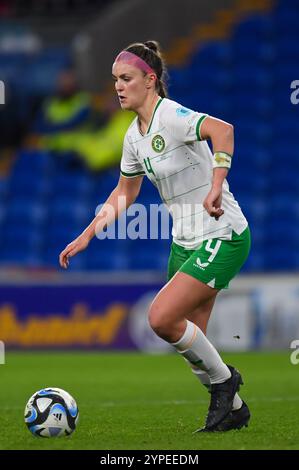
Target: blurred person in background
(167,142)
(76,122)
(69,109)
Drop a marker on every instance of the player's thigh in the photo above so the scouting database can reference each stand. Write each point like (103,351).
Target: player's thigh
(201,315)
(182,295)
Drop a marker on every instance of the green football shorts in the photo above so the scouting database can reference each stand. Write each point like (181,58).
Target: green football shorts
(215,262)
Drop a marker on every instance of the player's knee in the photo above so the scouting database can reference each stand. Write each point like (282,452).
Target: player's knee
(159,319)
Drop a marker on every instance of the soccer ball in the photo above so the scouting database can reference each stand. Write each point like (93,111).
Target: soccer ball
(51,412)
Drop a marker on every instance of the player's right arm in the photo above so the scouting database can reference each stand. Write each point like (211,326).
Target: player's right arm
(123,195)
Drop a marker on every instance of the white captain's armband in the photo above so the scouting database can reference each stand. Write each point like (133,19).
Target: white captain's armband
(222,160)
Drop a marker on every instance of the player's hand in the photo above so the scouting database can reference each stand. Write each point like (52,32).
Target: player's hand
(79,244)
(212,202)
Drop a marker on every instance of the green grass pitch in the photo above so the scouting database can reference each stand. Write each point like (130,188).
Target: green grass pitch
(138,401)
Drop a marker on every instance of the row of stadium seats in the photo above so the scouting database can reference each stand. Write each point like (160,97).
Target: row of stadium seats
(35,225)
(33,74)
(76,192)
(34,228)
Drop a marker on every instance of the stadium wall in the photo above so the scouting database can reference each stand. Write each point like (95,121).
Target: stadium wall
(110,313)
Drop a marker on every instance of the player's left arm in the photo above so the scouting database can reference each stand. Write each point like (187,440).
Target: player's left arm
(221,134)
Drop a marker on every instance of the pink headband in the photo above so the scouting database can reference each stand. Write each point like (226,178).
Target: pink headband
(133,59)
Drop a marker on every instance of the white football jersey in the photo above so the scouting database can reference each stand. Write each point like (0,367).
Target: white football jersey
(179,164)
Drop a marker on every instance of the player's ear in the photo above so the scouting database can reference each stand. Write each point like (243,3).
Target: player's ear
(150,79)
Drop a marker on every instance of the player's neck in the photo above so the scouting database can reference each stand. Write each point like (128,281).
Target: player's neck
(145,113)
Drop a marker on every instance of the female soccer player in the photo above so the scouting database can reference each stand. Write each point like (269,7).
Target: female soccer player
(211,238)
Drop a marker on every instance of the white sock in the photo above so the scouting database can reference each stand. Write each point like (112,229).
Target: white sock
(237,403)
(202,376)
(198,350)
(204,379)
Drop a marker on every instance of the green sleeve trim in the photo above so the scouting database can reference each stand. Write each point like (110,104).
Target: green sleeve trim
(131,175)
(198,126)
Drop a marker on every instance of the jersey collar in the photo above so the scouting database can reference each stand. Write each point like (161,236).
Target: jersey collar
(152,118)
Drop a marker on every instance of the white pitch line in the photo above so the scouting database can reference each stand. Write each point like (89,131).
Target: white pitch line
(111,404)
(193,402)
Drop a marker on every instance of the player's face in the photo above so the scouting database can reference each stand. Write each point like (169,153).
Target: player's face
(130,85)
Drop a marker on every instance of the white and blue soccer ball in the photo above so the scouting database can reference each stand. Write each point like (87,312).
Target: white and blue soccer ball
(51,412)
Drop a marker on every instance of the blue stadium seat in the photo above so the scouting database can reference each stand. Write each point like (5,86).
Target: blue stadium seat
(285,178)
(217,52)
(107,254)
(69,211)
(19,257)
(74,183)
(21,244)
(252,48)
(25,210)
(261,26)
(255,102)
(29,185)
(253,75)
(255,263)
(180,79)
(37,160)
